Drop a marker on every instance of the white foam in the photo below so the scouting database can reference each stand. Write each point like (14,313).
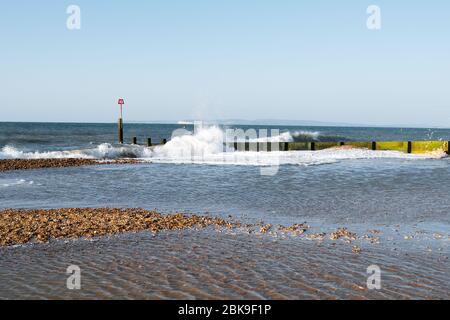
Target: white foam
(313,135)
(302,158)
(14,182)
(102,151)
(206,146)
(108,151)
(204,142)
(9,152)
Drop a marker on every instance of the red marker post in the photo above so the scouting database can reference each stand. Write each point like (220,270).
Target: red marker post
(121,103)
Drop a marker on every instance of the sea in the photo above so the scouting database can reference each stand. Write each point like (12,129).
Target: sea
(403,199)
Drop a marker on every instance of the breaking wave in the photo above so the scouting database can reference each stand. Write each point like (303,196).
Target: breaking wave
(206,146)
(102,151)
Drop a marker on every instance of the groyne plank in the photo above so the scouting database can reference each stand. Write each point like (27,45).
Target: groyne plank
(428,146)
(417,147)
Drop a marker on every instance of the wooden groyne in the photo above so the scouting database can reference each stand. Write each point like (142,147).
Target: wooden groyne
(414,147)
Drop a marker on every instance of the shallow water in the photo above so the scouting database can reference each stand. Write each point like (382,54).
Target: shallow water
(405,197)
(372,191)
(207,265)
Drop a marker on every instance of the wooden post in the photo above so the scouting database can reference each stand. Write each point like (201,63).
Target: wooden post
(121,103)
(164,141)
(313,146)
(409,146)
(120,130)
(286,146)
(374,145)
(149,142)
(134,140)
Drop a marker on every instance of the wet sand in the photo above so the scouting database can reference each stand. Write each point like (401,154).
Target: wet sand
(26,164)
(143,254)
(205,264)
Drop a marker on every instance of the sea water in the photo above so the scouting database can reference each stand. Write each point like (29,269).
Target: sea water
(405,197)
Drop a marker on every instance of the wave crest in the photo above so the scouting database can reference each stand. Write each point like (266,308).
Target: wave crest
(102,151)
(206,146)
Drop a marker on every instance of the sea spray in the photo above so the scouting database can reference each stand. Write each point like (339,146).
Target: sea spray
(203,142)
(208,145)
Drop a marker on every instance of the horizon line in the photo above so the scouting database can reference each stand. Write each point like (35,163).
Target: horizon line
(176,122)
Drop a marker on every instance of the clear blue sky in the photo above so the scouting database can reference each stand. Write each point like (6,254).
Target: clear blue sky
(247,59)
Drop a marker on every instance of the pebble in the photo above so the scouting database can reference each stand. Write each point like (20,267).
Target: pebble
(24,164)
(19,226)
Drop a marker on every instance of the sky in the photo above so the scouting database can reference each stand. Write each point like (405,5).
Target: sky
(233,59)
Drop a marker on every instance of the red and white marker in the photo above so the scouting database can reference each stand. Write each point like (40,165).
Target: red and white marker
(121,102)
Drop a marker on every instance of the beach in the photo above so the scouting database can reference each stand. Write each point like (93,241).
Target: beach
(205,264)
(166,224)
